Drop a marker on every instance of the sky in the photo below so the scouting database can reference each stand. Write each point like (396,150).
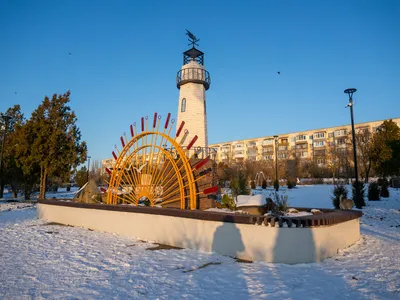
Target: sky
(125,56)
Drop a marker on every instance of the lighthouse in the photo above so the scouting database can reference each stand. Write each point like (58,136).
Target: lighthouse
(193,81)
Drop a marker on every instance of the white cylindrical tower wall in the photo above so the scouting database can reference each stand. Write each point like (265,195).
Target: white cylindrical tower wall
(193,112)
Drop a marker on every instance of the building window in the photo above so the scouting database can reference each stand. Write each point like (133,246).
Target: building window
(301,154)
(319,135)
(319,144)
(282,155)
(183,105)
(340,141)
(341,132)
(283,141)
(301,137)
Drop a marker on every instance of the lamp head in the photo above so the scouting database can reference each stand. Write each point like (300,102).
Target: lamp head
(350,92)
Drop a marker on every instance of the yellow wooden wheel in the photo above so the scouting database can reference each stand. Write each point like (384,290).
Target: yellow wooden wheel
(153,168)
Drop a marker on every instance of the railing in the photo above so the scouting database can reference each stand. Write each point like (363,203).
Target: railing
(196,75)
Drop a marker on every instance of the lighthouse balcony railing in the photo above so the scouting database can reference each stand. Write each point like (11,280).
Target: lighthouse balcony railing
(196,75)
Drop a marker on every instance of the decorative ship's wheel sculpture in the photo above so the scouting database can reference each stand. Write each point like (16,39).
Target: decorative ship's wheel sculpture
(154,168)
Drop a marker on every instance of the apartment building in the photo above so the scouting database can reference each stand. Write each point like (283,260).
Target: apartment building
(310,144)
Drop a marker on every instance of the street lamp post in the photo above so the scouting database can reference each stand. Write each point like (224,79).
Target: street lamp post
(276,162)
(88,168)
(5,119)
(350,92)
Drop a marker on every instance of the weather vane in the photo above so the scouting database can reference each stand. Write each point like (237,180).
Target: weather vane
(192,39)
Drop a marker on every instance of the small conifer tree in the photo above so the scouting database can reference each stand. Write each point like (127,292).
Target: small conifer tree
(339,191)
(264,184)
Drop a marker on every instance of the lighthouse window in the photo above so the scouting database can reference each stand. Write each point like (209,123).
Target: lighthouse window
(183,105)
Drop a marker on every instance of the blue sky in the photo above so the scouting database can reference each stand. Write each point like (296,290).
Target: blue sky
(125,55)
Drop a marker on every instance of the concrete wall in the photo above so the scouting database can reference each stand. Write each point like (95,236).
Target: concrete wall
(245,241)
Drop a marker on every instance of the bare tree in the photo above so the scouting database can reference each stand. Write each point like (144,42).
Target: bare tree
(364,140)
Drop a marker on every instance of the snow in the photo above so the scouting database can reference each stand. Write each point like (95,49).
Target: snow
(298,214)
(227,211)
(245,200)
(14,205)
(60,194)
(50,261)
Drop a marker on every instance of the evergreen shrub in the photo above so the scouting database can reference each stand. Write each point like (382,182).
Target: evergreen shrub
(291,183)
(384,190)
(253,184)
(264,184)
(227,202)
(374,192)
(361,200)
(338,190)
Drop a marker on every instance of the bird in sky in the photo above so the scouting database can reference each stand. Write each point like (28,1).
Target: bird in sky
(279,73)
(70,53)
(15,93)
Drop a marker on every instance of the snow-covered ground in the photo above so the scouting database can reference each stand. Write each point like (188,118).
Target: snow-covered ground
(61,193)
(49,261)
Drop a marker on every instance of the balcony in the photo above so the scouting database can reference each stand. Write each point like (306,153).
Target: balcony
(252,157)
(301,139)
(238,154)
(251,145)
(341,132)
(196,75)
(252,153)
(319,136)
(283,141)
(301,146)
(319,144)
(266,143)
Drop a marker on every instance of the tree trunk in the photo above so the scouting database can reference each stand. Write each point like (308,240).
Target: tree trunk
(40,182)
(27,190)
(2,185)
(367,172)
(43,176)
(14,189)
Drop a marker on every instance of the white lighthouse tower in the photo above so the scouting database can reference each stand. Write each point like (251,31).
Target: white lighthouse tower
(193,81)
